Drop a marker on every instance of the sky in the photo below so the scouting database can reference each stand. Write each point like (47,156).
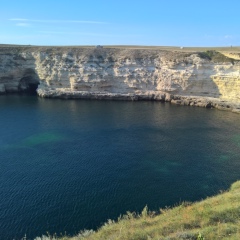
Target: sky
(126,22)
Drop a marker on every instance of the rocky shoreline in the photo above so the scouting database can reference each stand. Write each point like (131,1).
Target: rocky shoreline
(208,79)
(195,101)
(206,102)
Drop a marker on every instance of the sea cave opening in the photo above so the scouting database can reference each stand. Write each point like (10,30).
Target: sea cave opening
(29,82)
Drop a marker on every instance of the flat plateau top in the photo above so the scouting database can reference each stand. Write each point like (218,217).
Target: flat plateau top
(169,52)
(235,49)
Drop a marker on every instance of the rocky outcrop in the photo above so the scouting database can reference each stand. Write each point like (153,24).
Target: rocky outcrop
(123,74)
(17,70)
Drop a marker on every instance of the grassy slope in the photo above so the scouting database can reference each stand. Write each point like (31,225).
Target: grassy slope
(217,217)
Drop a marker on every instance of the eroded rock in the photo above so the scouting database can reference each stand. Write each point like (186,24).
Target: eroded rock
(121,74)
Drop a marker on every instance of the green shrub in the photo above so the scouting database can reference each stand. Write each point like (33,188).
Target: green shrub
(200,237)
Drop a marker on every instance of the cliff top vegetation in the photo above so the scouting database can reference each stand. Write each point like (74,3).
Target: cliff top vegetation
(215,56)
(216,217)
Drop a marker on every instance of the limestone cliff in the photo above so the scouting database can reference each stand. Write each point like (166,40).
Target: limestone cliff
(187,78)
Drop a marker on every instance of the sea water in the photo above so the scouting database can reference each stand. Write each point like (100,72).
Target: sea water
(68,165)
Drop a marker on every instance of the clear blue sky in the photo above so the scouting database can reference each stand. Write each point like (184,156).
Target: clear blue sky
(132,22)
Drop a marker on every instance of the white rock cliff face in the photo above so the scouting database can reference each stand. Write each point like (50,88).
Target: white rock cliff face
(120,74)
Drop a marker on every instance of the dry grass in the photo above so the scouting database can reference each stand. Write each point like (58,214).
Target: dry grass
(166,48)
(170,53)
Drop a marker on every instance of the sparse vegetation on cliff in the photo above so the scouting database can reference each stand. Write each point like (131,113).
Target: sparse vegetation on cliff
(215,56)
(217,217)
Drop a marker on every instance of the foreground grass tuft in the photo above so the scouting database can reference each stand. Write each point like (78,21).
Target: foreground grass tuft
(217,217)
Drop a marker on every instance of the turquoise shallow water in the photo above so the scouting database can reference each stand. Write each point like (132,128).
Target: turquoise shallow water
(67,165)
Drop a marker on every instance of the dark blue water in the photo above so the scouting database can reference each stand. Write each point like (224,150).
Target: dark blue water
(66,165)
